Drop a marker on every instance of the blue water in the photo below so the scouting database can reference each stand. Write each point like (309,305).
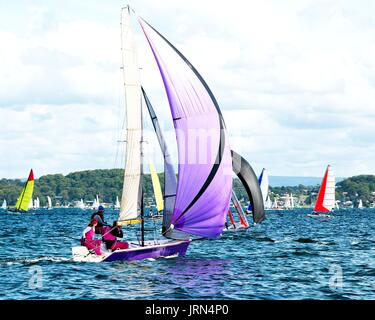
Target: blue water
(289,256)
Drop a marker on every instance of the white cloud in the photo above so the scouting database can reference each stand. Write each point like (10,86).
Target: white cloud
(295,79)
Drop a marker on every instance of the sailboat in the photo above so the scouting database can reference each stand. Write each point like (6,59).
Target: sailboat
(287,203)
(291,201)
(25,198)
(36,203)
(117,203)
(264,187)
(157,190)
(360,204)
(203,190)
(326,196)
(242,223)
(49,203)
(4,205)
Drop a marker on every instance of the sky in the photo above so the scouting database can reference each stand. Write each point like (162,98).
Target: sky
(295,80)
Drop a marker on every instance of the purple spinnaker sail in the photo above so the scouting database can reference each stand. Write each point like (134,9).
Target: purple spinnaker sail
(205,169)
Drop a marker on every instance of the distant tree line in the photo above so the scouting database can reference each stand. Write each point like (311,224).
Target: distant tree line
(107,183)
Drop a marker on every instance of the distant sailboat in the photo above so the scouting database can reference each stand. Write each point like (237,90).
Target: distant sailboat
(49,203)
(117,204)
(264,187)
(243,223)
(4,205)
(291,201)
(326,196)
(360,205)
(25,198)
(287,203)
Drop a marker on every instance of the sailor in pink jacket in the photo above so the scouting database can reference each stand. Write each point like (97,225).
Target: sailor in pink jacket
(110,237)
(87,239)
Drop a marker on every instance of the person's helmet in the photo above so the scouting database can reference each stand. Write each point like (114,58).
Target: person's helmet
(94,222)
(101,209)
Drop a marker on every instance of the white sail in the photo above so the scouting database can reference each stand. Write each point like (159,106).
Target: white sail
(329,194)
(97,201)
(287,204)
(268,203)
(31,203)
(360,205)
(37,203)
(264,186)
(4,205)
(49,200)
(117,204)
(130,200)
(291,201)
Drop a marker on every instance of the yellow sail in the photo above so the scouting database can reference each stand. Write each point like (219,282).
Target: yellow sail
(23,200)
(157,188)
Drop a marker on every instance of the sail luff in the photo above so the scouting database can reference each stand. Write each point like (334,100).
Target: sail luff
(130,199)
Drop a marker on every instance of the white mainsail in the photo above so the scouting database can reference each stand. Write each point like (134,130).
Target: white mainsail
(4,205)
(264,186)
(130,200)
(291,201)
(117,204)
(329,194)
(287,204)
(268,204)
(49,202)
(360,205)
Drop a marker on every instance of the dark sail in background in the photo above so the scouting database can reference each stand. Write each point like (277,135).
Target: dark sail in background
(250,181)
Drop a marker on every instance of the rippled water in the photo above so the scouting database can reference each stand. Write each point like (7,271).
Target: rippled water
(289,256)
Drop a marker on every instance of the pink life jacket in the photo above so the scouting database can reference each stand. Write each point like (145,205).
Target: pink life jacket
(107,234)
(89,235)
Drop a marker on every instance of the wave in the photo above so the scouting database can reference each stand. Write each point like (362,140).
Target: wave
(30,261)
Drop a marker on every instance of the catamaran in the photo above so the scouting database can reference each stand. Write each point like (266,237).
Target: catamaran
(203,191)
(326,196)
(25,198)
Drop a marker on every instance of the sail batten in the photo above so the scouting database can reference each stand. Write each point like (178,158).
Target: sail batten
(204,176)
